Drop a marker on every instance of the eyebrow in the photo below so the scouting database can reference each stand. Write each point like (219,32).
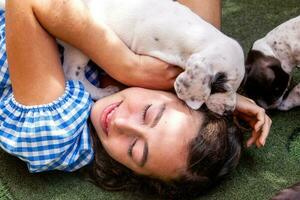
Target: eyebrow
(158,115)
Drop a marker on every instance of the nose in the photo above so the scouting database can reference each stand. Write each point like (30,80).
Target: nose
(129,126)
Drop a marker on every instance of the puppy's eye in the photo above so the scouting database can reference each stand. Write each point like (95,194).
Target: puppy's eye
(277,91)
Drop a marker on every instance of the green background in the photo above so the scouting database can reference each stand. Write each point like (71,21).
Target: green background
(261,173)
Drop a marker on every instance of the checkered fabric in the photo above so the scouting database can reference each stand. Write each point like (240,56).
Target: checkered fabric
(53,136)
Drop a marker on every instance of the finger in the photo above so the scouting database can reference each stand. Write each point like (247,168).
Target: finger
(260,120)
(258,144)
(171,72)
(250,100)
(253,138)
(174,71)
(265,131)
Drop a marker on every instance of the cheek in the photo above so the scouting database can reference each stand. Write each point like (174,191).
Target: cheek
(117,148)
(94,113)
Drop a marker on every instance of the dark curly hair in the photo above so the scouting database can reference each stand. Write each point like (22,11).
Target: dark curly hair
(212,154)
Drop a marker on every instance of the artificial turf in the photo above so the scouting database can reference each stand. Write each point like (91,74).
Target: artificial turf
(261,173)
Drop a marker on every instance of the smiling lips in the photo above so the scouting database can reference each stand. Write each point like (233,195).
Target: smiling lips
(107,115)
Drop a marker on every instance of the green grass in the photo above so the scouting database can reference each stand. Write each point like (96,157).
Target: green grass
(4,192)
(261,173)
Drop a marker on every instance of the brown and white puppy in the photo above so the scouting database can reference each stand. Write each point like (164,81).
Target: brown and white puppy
(269,65)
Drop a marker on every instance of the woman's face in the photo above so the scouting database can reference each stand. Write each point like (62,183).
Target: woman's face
(148,131)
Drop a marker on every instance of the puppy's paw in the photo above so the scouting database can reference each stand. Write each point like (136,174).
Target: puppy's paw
(216,108)
(192,89)
(284,106)
(221,103)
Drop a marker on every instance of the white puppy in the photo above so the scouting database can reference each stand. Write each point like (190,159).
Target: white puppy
(165,29)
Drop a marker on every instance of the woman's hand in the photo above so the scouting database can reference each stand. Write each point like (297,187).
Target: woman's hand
(143,71)
(153,73)
(255,116)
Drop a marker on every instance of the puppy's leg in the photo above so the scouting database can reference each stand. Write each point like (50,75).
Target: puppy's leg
(292,100)
(74,62)
(74,66)
(221,103)
(95,92)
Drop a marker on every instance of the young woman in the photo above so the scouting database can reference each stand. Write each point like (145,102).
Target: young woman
(149,138)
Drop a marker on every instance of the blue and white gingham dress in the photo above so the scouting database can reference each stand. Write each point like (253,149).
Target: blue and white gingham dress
(47,137)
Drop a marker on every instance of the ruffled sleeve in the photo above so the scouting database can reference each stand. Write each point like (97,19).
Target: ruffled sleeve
(53,136)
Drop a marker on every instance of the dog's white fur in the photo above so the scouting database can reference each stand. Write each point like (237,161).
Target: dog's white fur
(2,4)
(173,33)
(283,43)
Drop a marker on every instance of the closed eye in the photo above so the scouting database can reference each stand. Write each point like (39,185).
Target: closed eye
(131,147)
(144,157)
(144,113)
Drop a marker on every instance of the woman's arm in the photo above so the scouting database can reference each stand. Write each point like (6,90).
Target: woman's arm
(68,20)
(101,41)
(34,65)
(209,10)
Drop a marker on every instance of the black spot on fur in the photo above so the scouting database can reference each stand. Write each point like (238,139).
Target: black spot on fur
(77,73)
(218,84)
(156,39)
(185,83)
